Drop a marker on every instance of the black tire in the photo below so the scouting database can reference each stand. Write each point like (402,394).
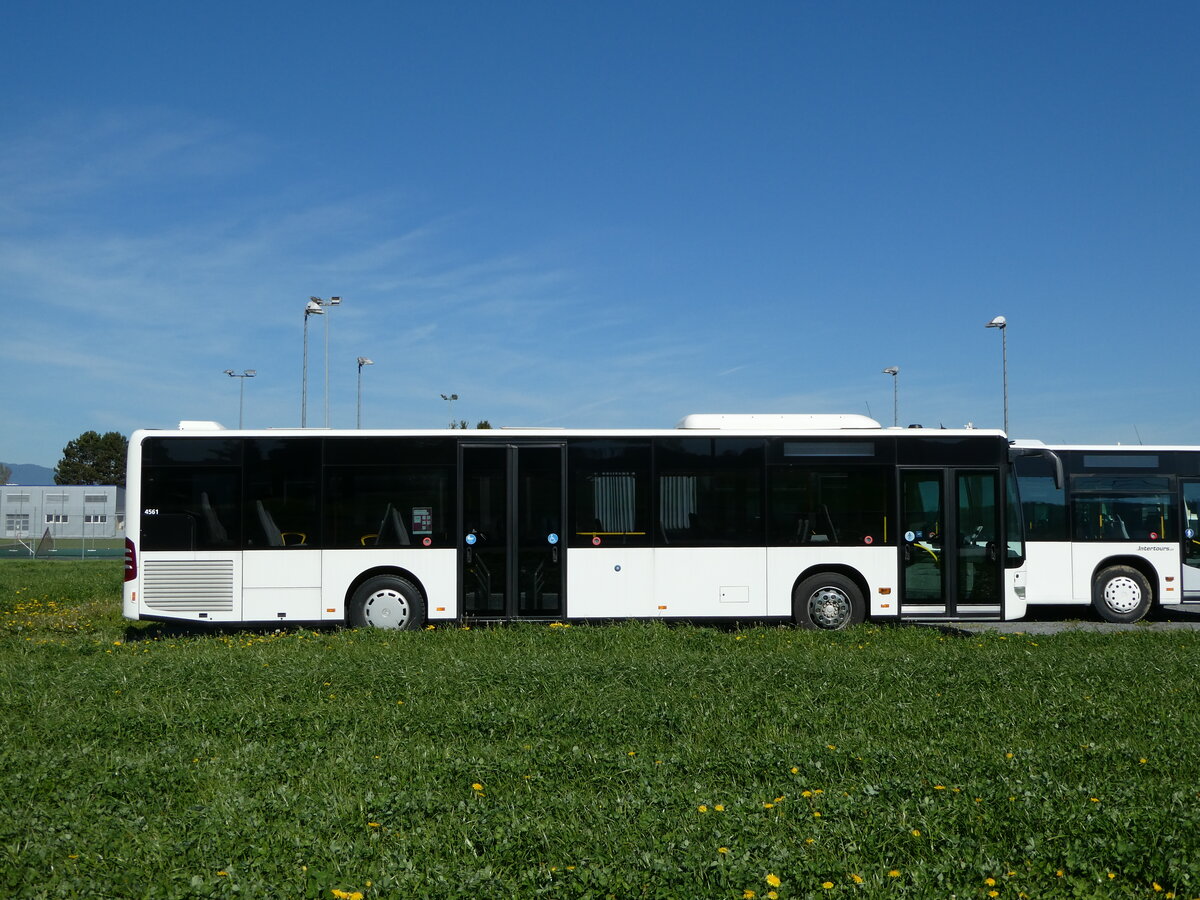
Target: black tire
(1121,594)
(387,601)
(828,602)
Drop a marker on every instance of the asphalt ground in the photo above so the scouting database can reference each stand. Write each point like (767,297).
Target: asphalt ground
(1055,619)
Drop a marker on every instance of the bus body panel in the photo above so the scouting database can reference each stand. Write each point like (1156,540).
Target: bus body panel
(1015,605)
(610,583)
(195,586)
(434,570)
(281,585)
(724,582)
(1048,571)
(877,565)
(1162,558)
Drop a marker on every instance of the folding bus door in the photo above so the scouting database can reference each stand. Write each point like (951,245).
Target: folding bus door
(511,552)
(951,561)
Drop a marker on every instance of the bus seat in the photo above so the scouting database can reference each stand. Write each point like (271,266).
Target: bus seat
(216,531)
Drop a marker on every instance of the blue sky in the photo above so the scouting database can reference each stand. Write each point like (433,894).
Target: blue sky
(600,214)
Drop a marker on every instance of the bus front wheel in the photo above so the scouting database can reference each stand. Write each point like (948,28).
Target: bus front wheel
(831,602)
(1121,594)
(387,601)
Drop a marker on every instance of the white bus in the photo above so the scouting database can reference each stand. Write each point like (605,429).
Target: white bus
(820,520)
(1114,527)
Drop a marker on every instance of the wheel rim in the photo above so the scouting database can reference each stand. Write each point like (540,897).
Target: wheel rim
(1122,594)
(387,608)
(829,607)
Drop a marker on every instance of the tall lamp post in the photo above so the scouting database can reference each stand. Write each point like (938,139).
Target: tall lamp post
(1002,323)
(450,406)
(362,361)
(312,309)
(246,373)
(894,371)
(324,304)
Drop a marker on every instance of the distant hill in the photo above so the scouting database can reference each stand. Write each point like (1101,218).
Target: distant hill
(28,473)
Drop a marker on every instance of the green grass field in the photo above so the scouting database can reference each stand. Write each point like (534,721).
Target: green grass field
(626,761)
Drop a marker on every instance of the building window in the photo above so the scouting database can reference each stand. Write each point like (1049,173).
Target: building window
(57,519)
(16,524)
(17,498)
(90,519)
(95,498)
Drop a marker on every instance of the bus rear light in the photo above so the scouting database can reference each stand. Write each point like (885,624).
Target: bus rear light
(130,561)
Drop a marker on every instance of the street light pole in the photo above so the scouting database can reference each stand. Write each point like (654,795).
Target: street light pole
(332,301)
(894,371)
(1002,323)
(450,406)
(246,373)
(312,309)
(362,361)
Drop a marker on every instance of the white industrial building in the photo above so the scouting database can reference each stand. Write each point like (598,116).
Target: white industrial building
(66,511)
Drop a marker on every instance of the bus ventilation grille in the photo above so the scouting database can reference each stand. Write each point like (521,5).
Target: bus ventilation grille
(180,586)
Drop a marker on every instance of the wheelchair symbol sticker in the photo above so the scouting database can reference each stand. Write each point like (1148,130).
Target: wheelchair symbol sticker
(471,539)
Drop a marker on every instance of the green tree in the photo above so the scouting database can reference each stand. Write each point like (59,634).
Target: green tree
(93,458)
(5,473)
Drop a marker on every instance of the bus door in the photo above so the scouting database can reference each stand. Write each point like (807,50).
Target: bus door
(1190,545)
(951,559)
(511,553)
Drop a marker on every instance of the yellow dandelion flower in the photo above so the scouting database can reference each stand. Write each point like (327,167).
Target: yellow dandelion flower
(702,809)
(722,849)
(810,840)
(1094,799)
(748,894)
(989,881)
(817,814)
(806,793)
(1008,756)
(768,806)
(827,884)
(719,808)
(1059,873)
(773,880)
(1156,885)
(993,893)
(772,895)
(477,786)
(893,873)
(1142,761)
(916,832)
(796,769)
(222,872)
(372,824)
(857,879)
(939,787)
(831,746)
(1112,874)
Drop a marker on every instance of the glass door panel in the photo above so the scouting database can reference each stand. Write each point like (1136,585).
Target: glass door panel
(485,530)
(538,547)
(978,529)
(922,513)
(1190,545)
(512,554)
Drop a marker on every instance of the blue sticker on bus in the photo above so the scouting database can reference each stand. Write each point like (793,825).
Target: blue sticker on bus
(552,538)
(471,539)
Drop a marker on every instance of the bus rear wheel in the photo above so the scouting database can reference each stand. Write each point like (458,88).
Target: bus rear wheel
(387,601)
(830,602)
(1121,594)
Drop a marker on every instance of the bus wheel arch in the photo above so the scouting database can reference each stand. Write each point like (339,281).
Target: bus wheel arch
(388,598)
(829,598)
(1122,591)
